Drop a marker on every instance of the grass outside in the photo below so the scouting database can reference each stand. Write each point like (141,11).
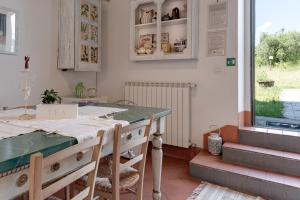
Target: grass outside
(267,100)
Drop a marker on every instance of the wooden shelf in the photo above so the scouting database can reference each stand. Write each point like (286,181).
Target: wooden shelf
(174,22)
(165,56)
(149,25)
(163,23)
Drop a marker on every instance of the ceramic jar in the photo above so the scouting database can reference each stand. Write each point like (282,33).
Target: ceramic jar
(215,144)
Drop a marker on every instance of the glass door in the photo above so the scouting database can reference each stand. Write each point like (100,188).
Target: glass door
(276,63)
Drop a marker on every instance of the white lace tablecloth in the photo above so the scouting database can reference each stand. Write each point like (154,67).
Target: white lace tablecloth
(86,126)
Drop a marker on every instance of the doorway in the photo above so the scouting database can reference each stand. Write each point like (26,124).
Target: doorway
(276,63)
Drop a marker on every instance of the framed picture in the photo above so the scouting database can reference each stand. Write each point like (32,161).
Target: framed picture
(8,31)
(146,40)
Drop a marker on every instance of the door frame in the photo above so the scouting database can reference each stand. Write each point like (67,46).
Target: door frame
(252,58)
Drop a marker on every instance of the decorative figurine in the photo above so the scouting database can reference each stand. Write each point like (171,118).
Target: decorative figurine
(166,47)
(26,89)
(180,45)
(92,92)
(146,16)
(166,17)
(141,50)
(27,58)
(80,90)
(154,18)
(175,13)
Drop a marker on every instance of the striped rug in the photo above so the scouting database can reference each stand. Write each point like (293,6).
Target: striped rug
(207,191)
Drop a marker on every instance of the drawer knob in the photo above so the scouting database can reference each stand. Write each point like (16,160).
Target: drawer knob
(22,180)
(55,167)
(140,131)
(129,136)
(79,156)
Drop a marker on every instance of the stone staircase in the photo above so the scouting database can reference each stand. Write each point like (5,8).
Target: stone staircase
(266,163)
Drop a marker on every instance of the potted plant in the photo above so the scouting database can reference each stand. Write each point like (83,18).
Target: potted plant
(264,80)
(50,97)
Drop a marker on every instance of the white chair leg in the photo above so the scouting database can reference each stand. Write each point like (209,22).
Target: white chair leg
(67,193)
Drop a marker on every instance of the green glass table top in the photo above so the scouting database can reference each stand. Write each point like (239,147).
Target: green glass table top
(137,113)
(15,152)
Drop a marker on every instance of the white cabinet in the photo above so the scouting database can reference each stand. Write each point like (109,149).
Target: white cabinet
(163,29)
(79,35)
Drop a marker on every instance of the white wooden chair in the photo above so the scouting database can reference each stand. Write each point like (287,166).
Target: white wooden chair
(39,192)
(123,175)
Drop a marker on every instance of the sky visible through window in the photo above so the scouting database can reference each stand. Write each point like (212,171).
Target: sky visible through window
(274,15)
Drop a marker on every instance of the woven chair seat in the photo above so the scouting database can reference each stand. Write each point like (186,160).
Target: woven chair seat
(53,198)
(128,178)
(56,198)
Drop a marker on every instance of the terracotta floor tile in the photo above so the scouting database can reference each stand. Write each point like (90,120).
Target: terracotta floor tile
(176,184)
(176,181)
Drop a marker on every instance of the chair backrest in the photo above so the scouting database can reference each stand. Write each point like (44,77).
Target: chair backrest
(118,149)
(37,163)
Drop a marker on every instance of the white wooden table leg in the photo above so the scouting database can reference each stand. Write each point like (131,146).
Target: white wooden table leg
(157,156)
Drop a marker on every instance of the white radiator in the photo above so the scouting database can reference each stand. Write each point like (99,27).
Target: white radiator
(175,96)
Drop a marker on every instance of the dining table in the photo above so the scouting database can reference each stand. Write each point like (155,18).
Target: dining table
(15,151)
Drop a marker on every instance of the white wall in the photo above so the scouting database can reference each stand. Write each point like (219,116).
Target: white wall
(214,102)
(241,54)
(244,54)
(247,55)
(38,28)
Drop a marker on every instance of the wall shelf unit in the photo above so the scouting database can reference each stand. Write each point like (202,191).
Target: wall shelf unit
(163,30)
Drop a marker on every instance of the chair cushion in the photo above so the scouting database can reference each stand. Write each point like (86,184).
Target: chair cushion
(128,178)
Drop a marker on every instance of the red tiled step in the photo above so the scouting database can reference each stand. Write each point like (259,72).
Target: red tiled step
(253,181)
(262,158)
(270,138)
(283,154)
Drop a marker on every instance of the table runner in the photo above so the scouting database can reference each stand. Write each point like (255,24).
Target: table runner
(86,126)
